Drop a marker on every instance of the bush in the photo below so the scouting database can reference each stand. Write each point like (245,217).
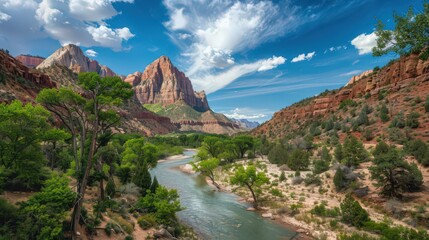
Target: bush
(110,188)
(322,211)
(312,179)
(276,192)
(146,221)
(282,176)
(398,121)
(352,213)
(412,120)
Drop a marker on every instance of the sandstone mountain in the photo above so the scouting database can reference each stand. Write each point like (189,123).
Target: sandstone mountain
(401,87)
(165,90)
(162,83)
(72,57)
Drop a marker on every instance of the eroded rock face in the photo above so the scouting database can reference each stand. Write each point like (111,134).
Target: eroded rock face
(164,84)
(30,61)
(72,57)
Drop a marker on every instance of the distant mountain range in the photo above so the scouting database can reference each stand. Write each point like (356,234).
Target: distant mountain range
(245,124)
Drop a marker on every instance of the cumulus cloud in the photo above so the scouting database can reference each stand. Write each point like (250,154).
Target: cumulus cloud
(365,43)
(302,57)
(91,53)
(4,17)
(81,22)
(210,33)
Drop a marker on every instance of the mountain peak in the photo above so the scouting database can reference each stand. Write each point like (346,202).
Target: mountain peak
(72,57)
(162,83)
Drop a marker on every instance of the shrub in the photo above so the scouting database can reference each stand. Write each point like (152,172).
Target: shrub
(146,221)
(312,179)
(398,121)
(276,192)
(282,176)
(110,188)
(352,213)
(412,120)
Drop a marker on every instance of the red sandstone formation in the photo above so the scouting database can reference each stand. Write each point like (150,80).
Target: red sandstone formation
(30,61)
(163,83)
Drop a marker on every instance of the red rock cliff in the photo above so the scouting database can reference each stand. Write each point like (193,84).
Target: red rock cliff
(163,83)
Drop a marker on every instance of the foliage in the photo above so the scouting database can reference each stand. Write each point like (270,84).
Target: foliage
(249,178)
(278,154)
(163,204)
(206,168)
(142,177)
(398,121)
(419,150)
(384,113)
(322,211)
(298,160)
(409,36)
(353,151)
(43,214)
(412,120)
(147,221)
(22,128)
(394,232)
(154,185)
(110,188)
(392,173)
(352,213)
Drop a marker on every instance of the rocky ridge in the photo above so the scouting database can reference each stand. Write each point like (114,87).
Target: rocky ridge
(72,57)
(397,84)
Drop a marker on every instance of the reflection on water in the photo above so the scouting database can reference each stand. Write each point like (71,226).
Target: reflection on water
(215,215)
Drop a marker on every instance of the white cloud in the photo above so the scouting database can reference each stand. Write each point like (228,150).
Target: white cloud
(351,73)
(81,22)
(210,33)
(244,113)
(365,43)
(4,17)
(184,36)
(302,57)
(153,49)
(91,53)
(213,82)
(355,62)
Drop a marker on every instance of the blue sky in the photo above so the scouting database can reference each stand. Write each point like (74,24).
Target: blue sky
(251,57)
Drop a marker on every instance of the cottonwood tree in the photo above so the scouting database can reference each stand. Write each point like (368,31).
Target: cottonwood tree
(250,178)
(22,129)
(84,118)
(206,168)
(409,36)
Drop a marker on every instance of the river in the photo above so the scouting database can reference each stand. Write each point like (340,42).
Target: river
(213,214)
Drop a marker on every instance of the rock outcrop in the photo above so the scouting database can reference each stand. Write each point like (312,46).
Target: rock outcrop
(359,77)
(397,83)
(72,57)
(18,82)
(30,61)
(163,83)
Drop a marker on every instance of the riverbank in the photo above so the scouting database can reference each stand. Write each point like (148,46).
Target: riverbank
(303,232)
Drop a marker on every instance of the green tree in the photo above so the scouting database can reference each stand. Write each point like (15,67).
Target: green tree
(110,188)
(412,120)
(154,185)
(22,129)
(354,152)
(339,153)
(163,203)
(298,160)
(340,180)
(409,36)
(392,173)
(212,145)
(142,178)
(278,154)
(251,179)
(352,213)
(87,119)
(44,213)
(243,143)
(206,168)
(384,113)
